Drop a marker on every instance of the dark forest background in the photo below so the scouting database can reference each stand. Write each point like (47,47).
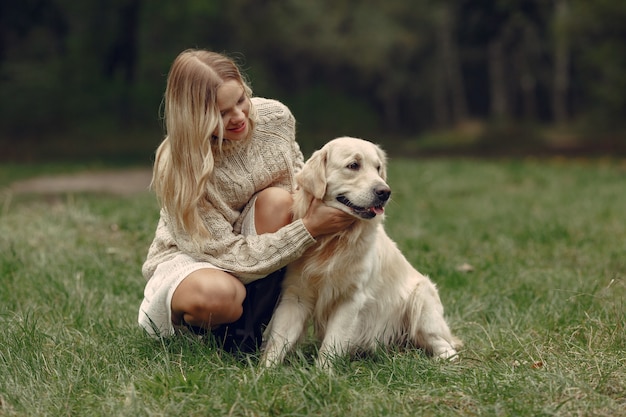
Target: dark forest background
(83,79)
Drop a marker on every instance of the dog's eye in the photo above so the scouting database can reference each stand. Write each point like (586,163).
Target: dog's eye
(379,169)
(353,166)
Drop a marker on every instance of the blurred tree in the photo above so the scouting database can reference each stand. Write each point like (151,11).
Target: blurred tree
(123,53)
(376,52)
(19,19)
(27,73)
(598,41)
(450,79)
(561,61)
(511,33)
(345,66)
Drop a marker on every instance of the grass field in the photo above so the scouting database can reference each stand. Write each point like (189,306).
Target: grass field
(542,310)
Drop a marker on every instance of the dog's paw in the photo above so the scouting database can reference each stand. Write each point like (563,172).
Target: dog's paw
(325,364)
(271,355)
(269,361)
(448,354)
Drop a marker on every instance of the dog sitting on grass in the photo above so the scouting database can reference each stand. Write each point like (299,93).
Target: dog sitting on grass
(356,286)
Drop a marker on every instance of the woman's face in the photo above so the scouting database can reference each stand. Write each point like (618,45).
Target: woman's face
(234,108)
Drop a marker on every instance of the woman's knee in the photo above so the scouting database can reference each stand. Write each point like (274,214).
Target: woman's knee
(272,209)
(225,296)
(208,297)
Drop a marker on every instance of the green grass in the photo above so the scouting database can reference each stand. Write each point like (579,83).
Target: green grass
(542,314)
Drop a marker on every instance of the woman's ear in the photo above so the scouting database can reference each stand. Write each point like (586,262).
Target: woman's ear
(312,178)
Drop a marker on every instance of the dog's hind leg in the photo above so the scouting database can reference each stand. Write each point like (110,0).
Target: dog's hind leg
(285,328)
(426,323)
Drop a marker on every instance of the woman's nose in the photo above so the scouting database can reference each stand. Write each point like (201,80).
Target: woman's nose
(238,115)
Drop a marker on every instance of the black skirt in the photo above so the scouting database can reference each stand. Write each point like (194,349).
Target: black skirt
(246,334)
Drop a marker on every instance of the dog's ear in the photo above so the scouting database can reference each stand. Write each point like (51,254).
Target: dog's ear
(383,160)
(312,178)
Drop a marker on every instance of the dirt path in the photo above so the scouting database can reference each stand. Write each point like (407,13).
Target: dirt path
(122,182)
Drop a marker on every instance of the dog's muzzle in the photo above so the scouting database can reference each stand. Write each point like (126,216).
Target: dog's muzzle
(381,197)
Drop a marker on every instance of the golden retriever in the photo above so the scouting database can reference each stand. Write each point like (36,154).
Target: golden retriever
(356,286)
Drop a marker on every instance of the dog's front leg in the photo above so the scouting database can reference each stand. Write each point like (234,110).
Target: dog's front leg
(285,328)
(339,338)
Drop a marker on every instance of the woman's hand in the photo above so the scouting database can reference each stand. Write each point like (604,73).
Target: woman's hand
(321,219)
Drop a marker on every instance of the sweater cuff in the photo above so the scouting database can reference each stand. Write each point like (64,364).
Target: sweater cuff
(301,234)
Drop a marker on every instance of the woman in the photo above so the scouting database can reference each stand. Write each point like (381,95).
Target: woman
(223,176)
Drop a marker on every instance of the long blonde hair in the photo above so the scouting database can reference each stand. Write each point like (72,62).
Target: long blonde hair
(184,161)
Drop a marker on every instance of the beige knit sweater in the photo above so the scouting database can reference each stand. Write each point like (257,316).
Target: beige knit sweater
(270,157)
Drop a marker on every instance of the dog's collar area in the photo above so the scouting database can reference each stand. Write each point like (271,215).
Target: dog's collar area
(363,212)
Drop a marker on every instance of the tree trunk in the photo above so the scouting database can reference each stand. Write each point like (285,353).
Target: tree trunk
(526,61)
(497,80)
(123,55)
(440,105)
(449,87)
(527,85)
(561,64)
(454,75)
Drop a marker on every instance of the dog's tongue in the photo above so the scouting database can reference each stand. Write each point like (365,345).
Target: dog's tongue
(377,210)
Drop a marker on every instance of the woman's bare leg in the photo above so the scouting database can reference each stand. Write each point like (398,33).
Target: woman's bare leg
(207,298)
(272,210)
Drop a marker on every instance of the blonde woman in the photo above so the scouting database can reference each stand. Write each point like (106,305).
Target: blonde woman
(223,176)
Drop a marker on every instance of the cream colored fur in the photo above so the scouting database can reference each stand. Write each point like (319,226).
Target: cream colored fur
(356,286)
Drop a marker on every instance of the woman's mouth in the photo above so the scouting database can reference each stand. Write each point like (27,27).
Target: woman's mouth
(239,128)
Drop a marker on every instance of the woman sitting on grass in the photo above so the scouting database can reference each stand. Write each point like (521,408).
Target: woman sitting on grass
(223,175)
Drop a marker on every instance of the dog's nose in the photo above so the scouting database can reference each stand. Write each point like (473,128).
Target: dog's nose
(383,193)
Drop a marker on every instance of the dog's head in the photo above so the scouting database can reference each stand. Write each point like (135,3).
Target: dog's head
(349,174)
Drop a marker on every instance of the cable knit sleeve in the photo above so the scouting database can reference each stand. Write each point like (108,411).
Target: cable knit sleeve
(246,257)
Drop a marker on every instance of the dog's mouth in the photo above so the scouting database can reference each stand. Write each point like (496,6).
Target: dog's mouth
(363,212)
